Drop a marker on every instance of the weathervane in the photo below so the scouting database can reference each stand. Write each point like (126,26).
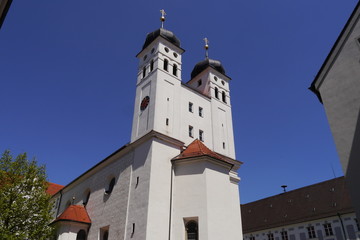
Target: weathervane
(162,19)
(206,48)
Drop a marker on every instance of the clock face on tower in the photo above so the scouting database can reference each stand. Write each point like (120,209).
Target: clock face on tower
(144,103)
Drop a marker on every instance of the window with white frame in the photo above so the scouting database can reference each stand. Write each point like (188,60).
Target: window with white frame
(270,236)
(311,232)
(284,235)
(328,229)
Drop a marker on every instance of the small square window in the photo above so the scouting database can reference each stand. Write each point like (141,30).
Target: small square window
(199,82)
(200,111)
(190,107)
(270,236)
(201,135)
(191,129)
(251,238)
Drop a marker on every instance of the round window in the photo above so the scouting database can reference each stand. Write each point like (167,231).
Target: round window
(222,82)
(215,78)
(175,55)
(166,49)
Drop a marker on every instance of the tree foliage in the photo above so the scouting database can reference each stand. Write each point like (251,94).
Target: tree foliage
(25,207)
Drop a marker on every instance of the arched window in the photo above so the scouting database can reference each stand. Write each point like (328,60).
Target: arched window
(166,64)
(111,186)
(216,92)
(151,65)
(144,72)
(192,230)
(223,96)
(81,235)
(175,70)
(105,235)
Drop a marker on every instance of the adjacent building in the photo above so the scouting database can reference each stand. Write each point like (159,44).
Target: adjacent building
(177,178)
(337,86)
(321,211)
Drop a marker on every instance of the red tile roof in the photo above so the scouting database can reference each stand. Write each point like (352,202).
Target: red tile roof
(53,188)
(197,149)
(74,213)
(312,202)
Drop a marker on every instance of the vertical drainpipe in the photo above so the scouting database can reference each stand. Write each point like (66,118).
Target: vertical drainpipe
(171,189)
(342,225)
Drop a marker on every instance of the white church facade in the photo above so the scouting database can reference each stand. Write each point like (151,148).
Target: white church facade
(177,178)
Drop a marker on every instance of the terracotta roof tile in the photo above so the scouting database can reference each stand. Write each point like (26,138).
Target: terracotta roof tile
(197,149)
(304,204)
(74,213)
(53,188)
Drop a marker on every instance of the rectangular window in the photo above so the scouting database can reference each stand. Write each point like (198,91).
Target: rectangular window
(191,129)
(311,232)
(200,111)
(223,145)
(201,135)
(199,83)
(270,236)
(190,107)
(328,229)
(357,224)
(284,235)
(251,238)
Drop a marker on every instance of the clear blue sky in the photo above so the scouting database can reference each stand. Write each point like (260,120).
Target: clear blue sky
(68,72)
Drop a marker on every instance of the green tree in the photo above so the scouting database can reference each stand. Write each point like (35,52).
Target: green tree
(25,207)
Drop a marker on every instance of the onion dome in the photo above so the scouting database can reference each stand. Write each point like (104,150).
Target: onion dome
(168,35)
(201,66)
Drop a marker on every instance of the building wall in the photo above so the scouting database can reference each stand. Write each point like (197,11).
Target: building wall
(339,85)
(299,231)
(203,192)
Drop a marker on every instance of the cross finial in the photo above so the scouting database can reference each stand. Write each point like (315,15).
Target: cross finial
(206,47)
(162,19)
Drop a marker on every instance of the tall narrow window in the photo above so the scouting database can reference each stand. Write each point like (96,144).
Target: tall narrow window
(166,64)
(81,235)
(223,145)
(111,186)
(190,107)
(216,92)
(175,70)
(284,235)
(151,65)
(86,197)
(311,232)
(201,112)
(357,224)
(252,238)
(223,94)
(192,230)
(104,233)
(167,122)
(144,72)
(328,229)
(191,129)
(201,135)
(199,82)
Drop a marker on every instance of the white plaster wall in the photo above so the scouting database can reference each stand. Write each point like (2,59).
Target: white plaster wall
(68,231)
(301,228)
(203,190)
